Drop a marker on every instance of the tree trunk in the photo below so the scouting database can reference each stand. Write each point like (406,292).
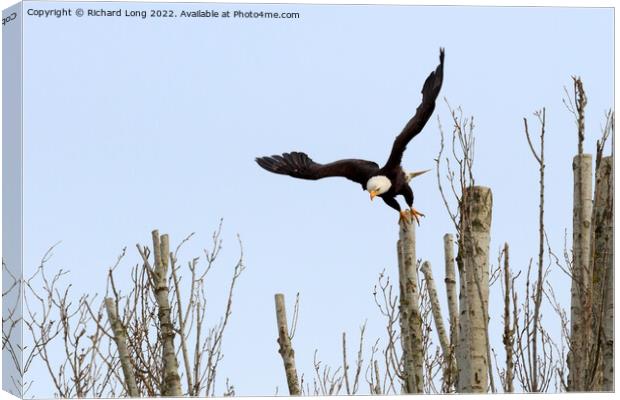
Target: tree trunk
(462,345)
(475,227)
(408,364)
(508,332)
(161,252)
(602,274)
(410,318)
(581,288)
(453,307)
(439,325)
(120,338)
(450,281)
(286,348)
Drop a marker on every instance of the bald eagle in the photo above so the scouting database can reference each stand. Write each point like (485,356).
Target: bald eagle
(386,182)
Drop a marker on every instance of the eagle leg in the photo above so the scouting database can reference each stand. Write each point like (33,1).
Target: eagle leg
(410,215)
(405,217)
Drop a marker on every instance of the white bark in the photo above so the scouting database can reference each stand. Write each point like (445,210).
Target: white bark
(439,325)
(161,251)
(581,288)
(450,280)
(603,273)
(453,307)
(476,235)
(120,338)
(411,320)
(462,344)
(608,325)
(408,364)
(286,348)
(409,380)
(508,338)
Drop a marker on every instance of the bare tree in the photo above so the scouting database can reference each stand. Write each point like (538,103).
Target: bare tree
(393,361)
(328,381)
(509,327)
(12,321)
(533,376)
(452,298)
(120,337)
(433,354)
(605,244)
(439,325)
(410,317)
(286,348)
(524,324)
(54,319)
(159,284)
(352,387)
(125,353)
(472,223)
(581,291)
(592,251)
(602,267)
(474,256)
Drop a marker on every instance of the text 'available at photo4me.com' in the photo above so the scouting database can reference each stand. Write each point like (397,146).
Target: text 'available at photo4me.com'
(128,12)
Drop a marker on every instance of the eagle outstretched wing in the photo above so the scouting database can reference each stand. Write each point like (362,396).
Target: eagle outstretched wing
(299,165)
(430,91)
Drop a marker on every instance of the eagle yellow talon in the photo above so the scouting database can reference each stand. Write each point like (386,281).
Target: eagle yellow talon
(410,215)
(405,217)
(415,214)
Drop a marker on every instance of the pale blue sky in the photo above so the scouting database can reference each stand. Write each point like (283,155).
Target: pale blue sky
(134,124)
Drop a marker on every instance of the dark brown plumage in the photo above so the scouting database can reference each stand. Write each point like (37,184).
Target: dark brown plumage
(299,165)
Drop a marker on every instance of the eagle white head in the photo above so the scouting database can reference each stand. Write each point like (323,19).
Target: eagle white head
(377,185)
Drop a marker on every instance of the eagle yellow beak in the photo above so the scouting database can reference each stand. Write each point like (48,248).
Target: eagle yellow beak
(373,194)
